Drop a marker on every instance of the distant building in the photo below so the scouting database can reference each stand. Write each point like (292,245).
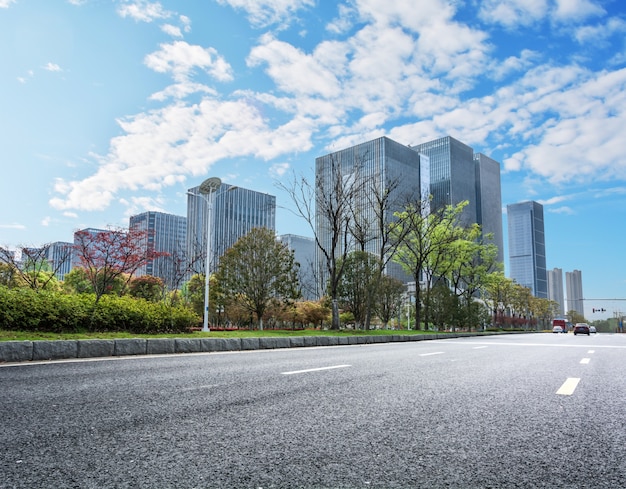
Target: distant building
(527,248)
(574,289)
(59,255)
(304,253)
(235,212)
(555,290)
(93,232)
(165,233)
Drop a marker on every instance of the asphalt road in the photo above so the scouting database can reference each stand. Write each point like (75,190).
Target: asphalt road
(485,412)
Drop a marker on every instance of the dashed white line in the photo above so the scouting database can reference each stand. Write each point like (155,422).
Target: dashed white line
(568,387)
(314,369)
(585,361)
(430,354)
(478,347)
(591,351)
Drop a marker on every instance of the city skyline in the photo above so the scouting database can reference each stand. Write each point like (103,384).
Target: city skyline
(111,109)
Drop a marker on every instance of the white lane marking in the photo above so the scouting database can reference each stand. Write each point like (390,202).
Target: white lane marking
(314,369)
(478,347)
(591,351)
(568,387)
(429,354)
(585,361)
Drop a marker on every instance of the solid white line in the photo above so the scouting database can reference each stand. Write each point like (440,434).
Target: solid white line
(433,353)
(585,361)
(314,369)
(568,387)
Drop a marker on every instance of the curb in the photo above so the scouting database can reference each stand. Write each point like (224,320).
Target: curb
(25,351)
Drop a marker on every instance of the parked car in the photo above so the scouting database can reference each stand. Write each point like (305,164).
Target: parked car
(592,329)
(581,328)
(557,329)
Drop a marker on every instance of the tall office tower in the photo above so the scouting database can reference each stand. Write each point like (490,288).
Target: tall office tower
(59,254)
(527,247)
(369,169)
(304,253)
(165,233)
(489,200)
(555,289)
(574,286)
(235,211)
(452,174)
(457,174)
(86,241)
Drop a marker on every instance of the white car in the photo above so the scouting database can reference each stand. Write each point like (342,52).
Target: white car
(592,329)
(557,329)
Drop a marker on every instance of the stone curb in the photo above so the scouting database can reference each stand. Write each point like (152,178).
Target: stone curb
(24,351)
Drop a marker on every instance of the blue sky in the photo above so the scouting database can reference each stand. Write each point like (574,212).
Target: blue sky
(113,107)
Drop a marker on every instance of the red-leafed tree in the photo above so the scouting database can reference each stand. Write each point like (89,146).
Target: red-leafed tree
(107,255)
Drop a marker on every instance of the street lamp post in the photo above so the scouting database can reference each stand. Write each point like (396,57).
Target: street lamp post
(208,187)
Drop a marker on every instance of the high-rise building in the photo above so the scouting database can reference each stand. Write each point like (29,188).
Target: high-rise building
(555,290)
(527,247)
(165,233)
(458,174)
(304,254)
(489,200)
(369,169)
(235,211)
(574,290)
(59,254)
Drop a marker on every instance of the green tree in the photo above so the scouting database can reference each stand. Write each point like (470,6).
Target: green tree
(259,269)
(388,298)
(146,287)
(358,284)
(425,239)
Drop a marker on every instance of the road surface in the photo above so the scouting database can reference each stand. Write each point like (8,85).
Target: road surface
(514,411)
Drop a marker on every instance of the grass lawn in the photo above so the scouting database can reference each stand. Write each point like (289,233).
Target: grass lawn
(242,333)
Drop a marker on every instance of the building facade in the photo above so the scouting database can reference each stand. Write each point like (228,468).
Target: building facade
(555,290)
(304,254)
(165,233)
(234,212)
(527,248)
(366,171)
(574,289)
(59,255)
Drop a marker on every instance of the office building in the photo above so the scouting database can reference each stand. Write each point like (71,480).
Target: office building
(235,211)
(574,290)
(527,248)
(165,233)
(304,254)
(555,290)
(59,255)
(458,174)
(366,172)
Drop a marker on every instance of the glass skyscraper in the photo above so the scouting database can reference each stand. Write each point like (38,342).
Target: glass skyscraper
(369,169)
(165,233)
(527,247)
(235,212)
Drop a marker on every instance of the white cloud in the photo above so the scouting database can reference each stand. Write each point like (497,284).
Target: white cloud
(576,10)
(52,67)
(513,13)
(181,59)
(6,3)
(143,11)
(12,226)
(279,169)
(262,13)
(172,30)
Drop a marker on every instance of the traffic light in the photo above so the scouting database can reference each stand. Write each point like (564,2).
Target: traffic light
(599,310)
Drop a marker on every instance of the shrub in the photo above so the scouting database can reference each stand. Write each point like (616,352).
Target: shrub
(27,310)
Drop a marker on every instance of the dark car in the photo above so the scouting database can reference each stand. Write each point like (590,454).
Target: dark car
(581,328)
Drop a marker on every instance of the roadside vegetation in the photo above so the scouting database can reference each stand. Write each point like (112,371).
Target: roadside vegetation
(258,286)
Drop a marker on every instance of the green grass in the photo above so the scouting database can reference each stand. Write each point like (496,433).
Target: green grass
(242,333)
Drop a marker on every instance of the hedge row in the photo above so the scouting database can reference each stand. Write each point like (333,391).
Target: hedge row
(26,310)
